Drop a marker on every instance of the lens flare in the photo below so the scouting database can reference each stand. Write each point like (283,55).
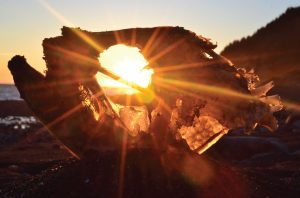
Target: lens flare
(128,63)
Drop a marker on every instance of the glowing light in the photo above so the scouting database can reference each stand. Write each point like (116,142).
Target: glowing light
(128,63)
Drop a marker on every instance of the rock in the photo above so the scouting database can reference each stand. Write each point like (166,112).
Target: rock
(14,167)
(245,147)
(71,103)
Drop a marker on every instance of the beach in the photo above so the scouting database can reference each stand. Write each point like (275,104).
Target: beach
(33,163)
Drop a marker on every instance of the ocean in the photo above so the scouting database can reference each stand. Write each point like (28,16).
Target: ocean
(9,92)
(8,122)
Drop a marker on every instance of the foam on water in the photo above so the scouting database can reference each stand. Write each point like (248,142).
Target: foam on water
(18,122)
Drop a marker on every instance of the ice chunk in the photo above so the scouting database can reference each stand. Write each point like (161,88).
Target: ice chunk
(204,132)
(263,90)
(135,118)
(274,102)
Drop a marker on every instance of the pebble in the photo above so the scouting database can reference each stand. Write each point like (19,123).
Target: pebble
(87,180)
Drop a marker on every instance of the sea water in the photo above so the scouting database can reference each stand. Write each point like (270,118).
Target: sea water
(9,92)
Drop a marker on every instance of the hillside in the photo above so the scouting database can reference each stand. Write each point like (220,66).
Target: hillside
(274,52)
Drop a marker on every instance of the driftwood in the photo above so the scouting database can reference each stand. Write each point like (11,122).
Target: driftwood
(200,95)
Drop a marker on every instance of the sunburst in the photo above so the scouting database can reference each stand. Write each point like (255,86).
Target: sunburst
(133,72)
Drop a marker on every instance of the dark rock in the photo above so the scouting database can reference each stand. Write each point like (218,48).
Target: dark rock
(14,108)
(245,147)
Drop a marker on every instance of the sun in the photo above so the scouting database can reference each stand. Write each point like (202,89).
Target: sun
(126,62)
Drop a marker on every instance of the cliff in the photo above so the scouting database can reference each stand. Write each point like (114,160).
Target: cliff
(273,51)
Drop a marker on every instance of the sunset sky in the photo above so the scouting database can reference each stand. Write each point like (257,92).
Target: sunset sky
(25,23)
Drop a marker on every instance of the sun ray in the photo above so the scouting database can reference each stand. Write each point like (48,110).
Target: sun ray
(133,37)
(88,40)
(162,103)
(207,88)
(67,22)
(291,105)
(185,92)
(166,50)
(58,120)
(150,41)
(179,67)
(122,165)
(105,72)
(154,44)
(70,112)
(118,37)
(126,64)
(128,100)
(181,85)
(55,13)
(80,57)
(73,54)
(177,89)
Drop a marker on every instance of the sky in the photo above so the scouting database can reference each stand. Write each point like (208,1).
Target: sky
(25,23)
